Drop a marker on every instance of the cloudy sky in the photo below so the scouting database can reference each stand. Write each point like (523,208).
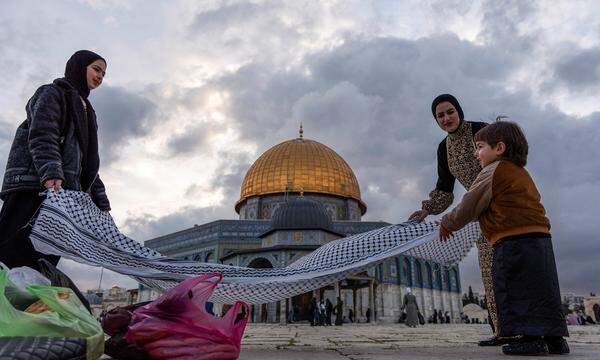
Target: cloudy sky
(195,91)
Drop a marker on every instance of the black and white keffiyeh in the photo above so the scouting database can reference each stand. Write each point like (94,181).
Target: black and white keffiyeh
(70,225)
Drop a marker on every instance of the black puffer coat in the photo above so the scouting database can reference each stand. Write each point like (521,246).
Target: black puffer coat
(48,144)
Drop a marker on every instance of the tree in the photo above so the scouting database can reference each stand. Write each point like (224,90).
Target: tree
(471,297)
(483,303)
(465,299)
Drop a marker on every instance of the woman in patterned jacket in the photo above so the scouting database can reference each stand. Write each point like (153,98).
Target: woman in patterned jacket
(55,147)
(456,161)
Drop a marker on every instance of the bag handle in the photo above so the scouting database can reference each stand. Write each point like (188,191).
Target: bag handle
(4,303)
(238,327)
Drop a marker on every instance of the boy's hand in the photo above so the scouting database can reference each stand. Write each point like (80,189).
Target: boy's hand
(445,234)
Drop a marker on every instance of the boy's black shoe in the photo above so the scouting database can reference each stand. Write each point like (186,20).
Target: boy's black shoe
(494,341)
(533,347)
(557,345)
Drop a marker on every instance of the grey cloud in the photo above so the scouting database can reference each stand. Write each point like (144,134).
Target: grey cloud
(501,21)
(227,179)
(147,226)
(193,139)
(243,30)
(222,18)
(580,70)
(122,115)
(230,174)
(7,132)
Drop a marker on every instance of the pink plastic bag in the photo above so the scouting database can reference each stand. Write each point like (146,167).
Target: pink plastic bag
(177,326)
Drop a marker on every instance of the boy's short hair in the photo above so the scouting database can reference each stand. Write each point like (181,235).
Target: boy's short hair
(511,135)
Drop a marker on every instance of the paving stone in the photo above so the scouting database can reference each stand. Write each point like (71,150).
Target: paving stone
(390,341)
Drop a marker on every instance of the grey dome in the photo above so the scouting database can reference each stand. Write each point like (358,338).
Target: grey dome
(300,213)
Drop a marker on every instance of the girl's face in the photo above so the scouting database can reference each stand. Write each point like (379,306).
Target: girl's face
(95,73)
(447,116)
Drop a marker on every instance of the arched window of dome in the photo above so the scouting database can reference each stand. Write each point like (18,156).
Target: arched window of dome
(455,281)
(427,276)
(447,280)
(260,263)
(210,257)
(393,268)
(438,277)
(419,272)
(379,272)
(406,272)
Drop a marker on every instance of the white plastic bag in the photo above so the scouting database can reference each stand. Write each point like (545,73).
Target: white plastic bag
(16,288)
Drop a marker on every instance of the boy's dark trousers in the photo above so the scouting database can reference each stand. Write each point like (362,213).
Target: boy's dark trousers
(17,211)
(526,287)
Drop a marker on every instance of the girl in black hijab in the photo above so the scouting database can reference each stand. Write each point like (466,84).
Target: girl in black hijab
(55,147)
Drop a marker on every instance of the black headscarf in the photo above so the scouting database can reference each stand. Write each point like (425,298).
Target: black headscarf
(85,125)
(76,70)
(452,100)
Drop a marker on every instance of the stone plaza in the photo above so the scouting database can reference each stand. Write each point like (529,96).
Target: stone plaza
(389,341)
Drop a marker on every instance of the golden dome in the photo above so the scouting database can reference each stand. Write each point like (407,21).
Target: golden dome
(300,165)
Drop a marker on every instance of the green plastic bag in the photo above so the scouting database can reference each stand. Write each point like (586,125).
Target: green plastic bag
(69,318)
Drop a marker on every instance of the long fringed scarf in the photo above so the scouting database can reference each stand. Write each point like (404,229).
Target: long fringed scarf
(70,225)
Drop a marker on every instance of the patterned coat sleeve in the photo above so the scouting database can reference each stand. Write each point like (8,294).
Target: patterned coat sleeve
(442,196)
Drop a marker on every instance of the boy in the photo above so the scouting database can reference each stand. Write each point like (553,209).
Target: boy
(507,204)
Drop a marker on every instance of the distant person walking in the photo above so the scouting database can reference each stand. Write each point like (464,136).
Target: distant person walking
(56,147)
(314,312)
(411,308)
(328,311)
(350,315)
(339,312)
(322,320)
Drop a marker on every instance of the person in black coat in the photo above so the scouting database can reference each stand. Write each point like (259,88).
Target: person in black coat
(339,312)
(328,311)
(56,147)
(314,312)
